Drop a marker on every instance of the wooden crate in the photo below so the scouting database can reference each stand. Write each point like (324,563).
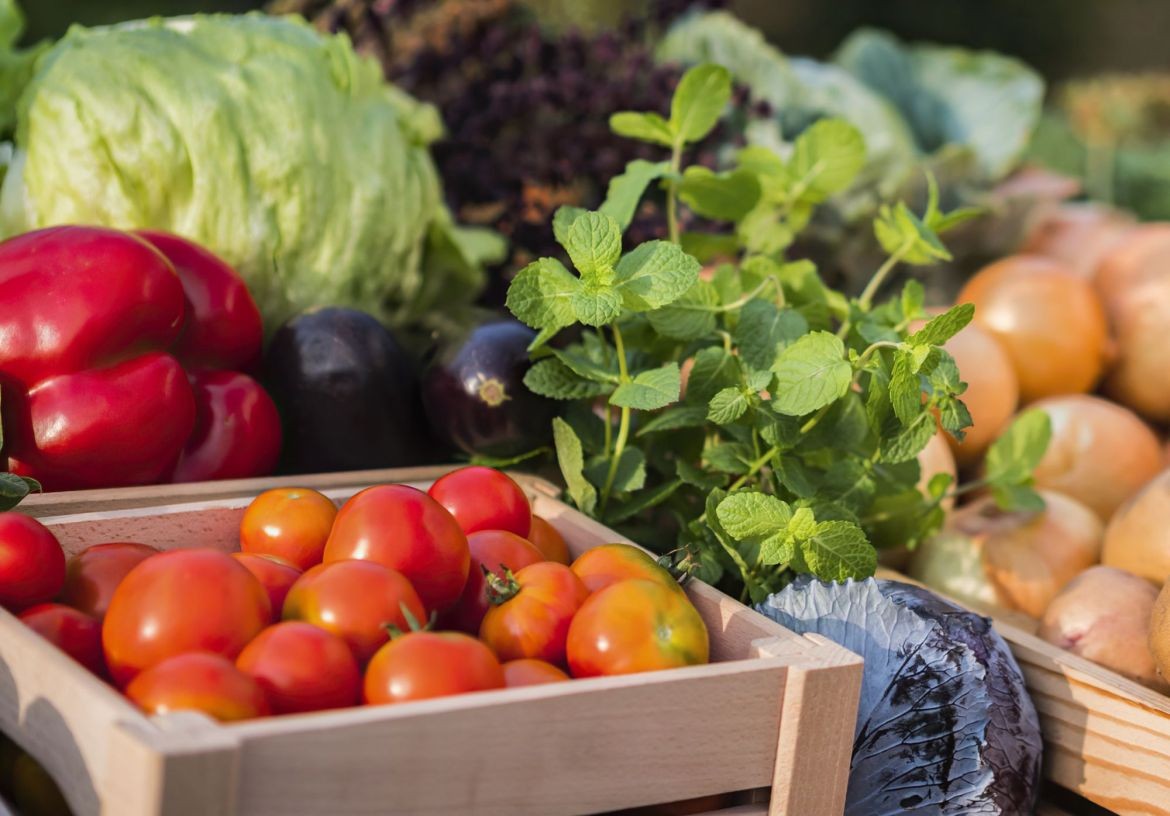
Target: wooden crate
(1105,737)
(773,710)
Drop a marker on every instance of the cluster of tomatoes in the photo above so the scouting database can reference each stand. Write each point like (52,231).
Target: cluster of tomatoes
(325,608)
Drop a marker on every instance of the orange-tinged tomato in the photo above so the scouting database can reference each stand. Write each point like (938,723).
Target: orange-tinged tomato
(531,612)
(635,626)
(530,672)
(355,600)
(549,541)
(403,528)
(199,681)
(483,498)
(292,523)
(72,631)
(601,566)
(274,574)
(198,600)
(421,665)
(497,550)
(94,573)
(302,668)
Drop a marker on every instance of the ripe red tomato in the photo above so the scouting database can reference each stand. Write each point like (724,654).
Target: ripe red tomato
(531,612)
(529,672)
(199,681)
(302,668)
(70,630)
(404,529)
(197,600)
(497,550)
(482,498)
(635,626)
(292,523)
(276,575)
(355,600)
(601,566)
(550,542)
(94,573)
(32,564)
(420,665)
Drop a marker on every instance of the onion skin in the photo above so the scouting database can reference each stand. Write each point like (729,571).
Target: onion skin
(1050,322)
(1079,235)
(1160,633)
(1138,536)
(1133,281)
(993,390)
(1030,557)
(1104,615)
(1100,453)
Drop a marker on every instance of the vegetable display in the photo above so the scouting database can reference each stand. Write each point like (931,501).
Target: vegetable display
(375,603)
(100,326)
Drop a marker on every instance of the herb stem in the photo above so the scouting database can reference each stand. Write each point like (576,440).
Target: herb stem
(875,283)
(624,424)
(672,193)
(750,296)
(753,469)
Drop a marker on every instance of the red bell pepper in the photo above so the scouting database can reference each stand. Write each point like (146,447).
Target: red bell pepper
(91,321)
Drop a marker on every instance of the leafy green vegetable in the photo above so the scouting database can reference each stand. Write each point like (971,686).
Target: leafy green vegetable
(790,446)
(275,146)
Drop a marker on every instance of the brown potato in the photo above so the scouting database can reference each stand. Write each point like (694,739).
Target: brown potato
(1138,536)
(1104,614)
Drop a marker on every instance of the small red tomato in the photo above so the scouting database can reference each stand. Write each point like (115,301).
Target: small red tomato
(530,672)
(531,612)
(601,566)
(635,626)
(94,573)
(32,563)
(405,529)
(483,498)
(302,668)
(292,523)
(199,681)
(274,574)
(420,665)
(498,550)
(198,600)
(550,542)
(70,630)
(355,600)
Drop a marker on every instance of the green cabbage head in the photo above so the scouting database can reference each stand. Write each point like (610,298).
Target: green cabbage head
(275,146)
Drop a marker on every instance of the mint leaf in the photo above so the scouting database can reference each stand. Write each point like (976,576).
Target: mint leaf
(594,244)
(723,196)
(954,417)
(910,441)
(643,501)
(581,364)
(942,328)
(541,295)
(1012,458)
(596,305)
(650,390)
(552,378)
(714,369)
(839,550)
(901,232)
(707,247)
(13,489)
(680,416)
(571,459)
(905,390)
(763,331)
(751,515)
(810,374)
(654,275)
(699,101)
(913,299)
(563,218)
(627,189)
(1023,498)
(696,476)
(727,406)
(645,127)
(690,317)
(826,158)
(728,457)
(630,474)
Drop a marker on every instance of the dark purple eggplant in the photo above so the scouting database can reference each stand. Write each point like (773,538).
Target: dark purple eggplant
(347,393)
(475,397)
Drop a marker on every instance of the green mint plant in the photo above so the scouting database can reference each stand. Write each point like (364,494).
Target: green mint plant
(747,420)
